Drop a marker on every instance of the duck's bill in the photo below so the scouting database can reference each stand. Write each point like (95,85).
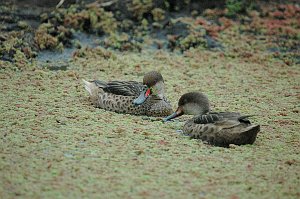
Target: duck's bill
(178,113)
(142,98)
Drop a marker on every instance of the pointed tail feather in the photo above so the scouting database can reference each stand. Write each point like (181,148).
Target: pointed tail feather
(88,86)
(245,118)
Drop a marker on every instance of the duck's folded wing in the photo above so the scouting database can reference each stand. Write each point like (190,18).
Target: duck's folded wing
(209,129)
(126,88)
(215,117)
(207,118)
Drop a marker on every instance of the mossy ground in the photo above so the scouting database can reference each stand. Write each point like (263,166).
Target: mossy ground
(54,144)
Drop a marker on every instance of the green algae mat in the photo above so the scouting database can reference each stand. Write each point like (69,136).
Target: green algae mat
(55,144)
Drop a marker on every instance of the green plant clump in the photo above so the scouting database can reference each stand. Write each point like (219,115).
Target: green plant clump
(235,7)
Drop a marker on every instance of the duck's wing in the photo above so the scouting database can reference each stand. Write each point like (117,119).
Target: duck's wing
(202,130)
(126,88)
(214,117)
(222,132)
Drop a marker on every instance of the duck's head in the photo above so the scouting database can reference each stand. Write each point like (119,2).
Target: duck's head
(193,103)
(154,85)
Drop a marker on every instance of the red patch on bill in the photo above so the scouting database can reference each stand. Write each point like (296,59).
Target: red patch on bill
(147,92)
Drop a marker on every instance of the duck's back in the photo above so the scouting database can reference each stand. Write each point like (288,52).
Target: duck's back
(216,116)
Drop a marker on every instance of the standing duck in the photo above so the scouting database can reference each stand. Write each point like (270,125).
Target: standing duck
(131,97)
(216,128)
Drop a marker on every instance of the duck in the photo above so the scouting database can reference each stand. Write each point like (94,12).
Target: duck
(215,128)
(131,97)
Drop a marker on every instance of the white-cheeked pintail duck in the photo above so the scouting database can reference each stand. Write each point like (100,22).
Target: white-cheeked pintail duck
(131,97)
(216,128)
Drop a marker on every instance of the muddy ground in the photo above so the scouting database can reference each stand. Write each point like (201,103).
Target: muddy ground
(54,144)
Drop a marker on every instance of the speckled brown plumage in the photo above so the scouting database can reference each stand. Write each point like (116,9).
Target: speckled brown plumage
(118,96)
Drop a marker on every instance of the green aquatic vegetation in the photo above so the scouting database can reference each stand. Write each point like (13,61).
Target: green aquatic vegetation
(140,7)
(91,19)
(122,42)
(58,29)
(55,144)
(235,7)
(158,14)
(15,49)
(193,40)
(102,20)
(54,141)
(44,39)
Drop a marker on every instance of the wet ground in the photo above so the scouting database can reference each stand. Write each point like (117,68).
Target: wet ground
(54,144)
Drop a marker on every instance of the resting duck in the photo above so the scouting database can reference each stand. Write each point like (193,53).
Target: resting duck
(131,97)
(219,129)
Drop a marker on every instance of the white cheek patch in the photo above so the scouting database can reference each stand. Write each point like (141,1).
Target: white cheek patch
(159,89)
(192,109)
